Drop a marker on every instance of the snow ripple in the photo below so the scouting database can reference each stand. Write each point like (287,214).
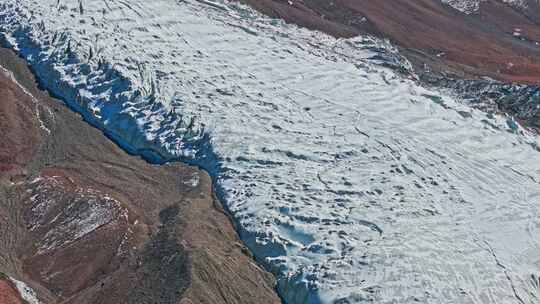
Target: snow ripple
(349,182)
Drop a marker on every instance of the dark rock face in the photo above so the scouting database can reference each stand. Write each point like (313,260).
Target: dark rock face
(529,8)
(83,222)
(163,260)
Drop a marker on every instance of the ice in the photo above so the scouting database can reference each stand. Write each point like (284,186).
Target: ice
(349,182)
(26,292)
(472,6)
(465,6)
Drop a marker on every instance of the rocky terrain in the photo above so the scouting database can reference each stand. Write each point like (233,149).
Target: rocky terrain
(81,221)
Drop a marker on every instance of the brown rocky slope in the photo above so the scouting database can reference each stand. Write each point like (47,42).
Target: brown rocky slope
(83,222)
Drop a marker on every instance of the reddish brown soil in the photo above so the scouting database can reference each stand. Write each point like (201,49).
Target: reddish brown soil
(477,45)
(20,132)
(82,222)
(8,293)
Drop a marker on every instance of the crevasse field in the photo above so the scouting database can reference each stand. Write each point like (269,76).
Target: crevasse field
(349,182)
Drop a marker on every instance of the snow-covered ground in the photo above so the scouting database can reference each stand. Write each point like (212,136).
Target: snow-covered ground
(351,183)
(465,6)
(472,6)
(26,292)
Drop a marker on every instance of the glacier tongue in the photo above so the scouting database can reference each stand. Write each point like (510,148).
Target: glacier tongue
(349,182)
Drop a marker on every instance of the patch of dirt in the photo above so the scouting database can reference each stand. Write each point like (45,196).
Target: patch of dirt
(20,129)
(8,292)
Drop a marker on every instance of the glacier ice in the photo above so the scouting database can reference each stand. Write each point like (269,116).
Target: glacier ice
(349,182)
(472,6)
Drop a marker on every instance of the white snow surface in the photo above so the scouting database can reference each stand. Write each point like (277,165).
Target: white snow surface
(26,292)
(472,6)
(349,182)
(464,6)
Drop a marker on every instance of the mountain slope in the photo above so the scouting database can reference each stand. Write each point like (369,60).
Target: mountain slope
(83,222)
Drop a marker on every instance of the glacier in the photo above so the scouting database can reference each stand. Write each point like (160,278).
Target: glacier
(350,182)
(473,6)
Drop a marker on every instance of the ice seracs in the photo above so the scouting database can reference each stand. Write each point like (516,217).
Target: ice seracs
(351,183)
(472,6)
(464,6)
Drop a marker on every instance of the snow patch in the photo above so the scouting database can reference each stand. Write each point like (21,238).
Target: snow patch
(26,292)
(68,216)
(464,6)
(472,6)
